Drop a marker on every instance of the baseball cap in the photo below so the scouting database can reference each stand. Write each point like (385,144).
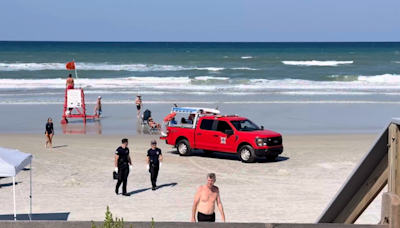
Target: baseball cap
(99,97)
(153,141)
(138,95)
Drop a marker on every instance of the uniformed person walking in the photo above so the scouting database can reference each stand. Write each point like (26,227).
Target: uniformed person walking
(154,162)
(123,164)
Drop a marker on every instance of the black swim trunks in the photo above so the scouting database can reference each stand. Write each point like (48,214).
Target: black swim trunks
(138,106)
(205,218)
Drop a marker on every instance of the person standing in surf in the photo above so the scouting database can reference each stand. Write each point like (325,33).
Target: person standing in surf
(49,132)
(97,109)
(139,104)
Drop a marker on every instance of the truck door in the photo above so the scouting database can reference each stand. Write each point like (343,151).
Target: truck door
(221,141)
(204,134)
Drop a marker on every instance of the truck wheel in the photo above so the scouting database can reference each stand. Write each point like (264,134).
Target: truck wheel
(246,154)
(271,157)
(183,147)
(208,152)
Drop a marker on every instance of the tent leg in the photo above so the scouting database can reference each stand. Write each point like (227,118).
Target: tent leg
(31,192)
(15,210)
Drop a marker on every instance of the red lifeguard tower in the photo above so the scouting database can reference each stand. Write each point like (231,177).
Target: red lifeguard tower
(74,100)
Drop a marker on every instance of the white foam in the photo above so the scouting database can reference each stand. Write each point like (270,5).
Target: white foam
(385,78)
(243,68)
(209,68)
(205,78)
(209,83)
(316,63)
(247,57)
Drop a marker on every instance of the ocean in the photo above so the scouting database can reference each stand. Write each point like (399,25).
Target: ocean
(35,73)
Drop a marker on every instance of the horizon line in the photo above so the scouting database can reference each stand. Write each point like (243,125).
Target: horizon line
(74,41)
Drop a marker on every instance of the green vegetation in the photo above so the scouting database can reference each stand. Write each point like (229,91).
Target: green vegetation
(109,222)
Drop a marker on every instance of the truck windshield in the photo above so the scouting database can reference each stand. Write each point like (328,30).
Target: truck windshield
(245,125)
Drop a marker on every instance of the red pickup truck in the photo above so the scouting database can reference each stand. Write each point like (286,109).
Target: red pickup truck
(224,133)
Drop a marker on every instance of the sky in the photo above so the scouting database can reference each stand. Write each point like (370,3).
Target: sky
(200,20)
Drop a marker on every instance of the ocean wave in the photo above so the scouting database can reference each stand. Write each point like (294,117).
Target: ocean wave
(246,57)
(205,78)
(208,68)
(108,67)
(243,68)
(209,83)
(385,78)
(316,63)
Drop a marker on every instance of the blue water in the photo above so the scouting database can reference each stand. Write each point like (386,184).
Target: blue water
(34,72)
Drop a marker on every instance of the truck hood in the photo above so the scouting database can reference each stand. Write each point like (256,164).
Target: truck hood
(262,133)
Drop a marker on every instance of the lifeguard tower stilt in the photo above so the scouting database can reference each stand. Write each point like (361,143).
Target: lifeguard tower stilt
(75,100)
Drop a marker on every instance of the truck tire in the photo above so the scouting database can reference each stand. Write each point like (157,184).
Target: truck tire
(271,157)
(208,152)
(183,147)
(246,154)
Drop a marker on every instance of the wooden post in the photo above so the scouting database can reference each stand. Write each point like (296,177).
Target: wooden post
(392,148)
(394,175)
(366,194)
(394,161)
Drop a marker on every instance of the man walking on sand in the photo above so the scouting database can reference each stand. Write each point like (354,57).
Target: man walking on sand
(123,164)
(204,201)
(154,162)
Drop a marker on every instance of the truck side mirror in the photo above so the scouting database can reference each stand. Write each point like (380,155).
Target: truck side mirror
(229,132)
(262,127)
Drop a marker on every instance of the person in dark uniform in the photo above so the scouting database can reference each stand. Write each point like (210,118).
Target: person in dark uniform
(49,132)
(154,162)
(123,164)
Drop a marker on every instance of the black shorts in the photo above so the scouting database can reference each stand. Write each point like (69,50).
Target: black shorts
(205,218)
(138,107)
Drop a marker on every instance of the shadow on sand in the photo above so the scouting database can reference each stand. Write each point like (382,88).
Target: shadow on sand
(158,187)
(228,156)
(60,146)
(9,184)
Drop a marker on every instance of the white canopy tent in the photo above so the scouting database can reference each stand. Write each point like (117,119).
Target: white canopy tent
(11,163)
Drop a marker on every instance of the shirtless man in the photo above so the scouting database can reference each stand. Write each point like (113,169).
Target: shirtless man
(139,104)
(204,201)
(70,82)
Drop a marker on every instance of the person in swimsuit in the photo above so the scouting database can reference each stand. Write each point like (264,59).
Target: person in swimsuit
(204,202)
(139,104)
(97,109)
(153,124)
(49,132)
(70,82)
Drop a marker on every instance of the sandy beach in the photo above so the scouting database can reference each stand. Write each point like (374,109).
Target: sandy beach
(75,178)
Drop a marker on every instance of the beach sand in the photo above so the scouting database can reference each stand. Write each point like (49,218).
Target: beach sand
(75,177)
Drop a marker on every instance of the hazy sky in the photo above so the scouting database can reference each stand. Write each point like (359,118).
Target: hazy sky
(200,20)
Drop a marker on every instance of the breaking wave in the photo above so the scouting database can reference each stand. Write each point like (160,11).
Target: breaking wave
(316,63)
(209,83)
